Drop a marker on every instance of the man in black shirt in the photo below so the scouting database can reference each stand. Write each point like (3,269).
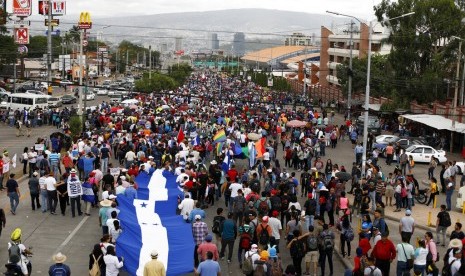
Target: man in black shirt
(13,193)
(104,157)
(457,233)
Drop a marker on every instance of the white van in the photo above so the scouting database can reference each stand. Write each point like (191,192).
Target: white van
(19,101)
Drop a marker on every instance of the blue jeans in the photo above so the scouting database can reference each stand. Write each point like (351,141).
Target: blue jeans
(308,221)
(104,165)
(401,268)
(44,200)
(14,201)
(449,193)
(419,268)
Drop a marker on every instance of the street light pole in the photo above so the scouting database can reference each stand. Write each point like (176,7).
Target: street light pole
(349,92)
(367,90)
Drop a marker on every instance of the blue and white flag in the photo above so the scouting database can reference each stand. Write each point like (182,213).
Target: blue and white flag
(226,161)
(150,222)
(195,138)
(252,153)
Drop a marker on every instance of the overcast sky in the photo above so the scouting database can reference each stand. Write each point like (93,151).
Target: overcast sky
(107,8)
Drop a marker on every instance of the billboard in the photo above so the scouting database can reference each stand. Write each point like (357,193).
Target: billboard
(58,7)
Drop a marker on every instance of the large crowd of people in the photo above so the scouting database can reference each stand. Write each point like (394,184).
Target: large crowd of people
(223,137)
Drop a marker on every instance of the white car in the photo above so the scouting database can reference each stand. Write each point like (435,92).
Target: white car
(90,96)
(422,153)
(100,91)
(384,139)
(37,93)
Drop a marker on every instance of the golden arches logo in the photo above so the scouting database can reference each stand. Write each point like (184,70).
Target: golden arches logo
(84,21)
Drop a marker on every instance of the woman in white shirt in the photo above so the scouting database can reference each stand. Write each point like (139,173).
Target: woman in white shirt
(113,264)
(419,264)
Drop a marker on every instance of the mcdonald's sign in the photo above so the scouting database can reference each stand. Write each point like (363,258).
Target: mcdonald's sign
(84,21)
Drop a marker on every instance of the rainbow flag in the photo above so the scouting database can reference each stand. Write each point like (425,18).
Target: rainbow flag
(219,147)
(220,136)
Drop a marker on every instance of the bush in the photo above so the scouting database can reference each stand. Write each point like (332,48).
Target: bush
(75,125)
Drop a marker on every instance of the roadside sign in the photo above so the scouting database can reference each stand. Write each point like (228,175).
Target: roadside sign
(22,8)
(59,8)
(54,33)
(22,49)
(22,22)
(21,35)
(54,22)
(84,21)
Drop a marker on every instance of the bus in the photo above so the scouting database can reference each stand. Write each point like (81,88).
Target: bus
(19,101)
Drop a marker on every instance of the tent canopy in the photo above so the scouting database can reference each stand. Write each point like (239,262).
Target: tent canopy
(436,121)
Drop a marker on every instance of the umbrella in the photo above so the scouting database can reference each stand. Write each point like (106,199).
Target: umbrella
(165,106)
(133,106)
(296,123)
(254,136)
(329,128)
(343,176)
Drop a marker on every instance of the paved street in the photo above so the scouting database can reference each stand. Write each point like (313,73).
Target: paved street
(48,234)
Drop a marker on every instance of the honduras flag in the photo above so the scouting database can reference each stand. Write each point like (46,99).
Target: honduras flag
(150,222)
(226,162)
(195,138)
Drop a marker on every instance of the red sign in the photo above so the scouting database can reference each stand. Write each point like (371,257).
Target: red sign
(22,8)
(179,52)
(21,35)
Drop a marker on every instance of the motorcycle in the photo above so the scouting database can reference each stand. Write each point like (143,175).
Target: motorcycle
(422,196)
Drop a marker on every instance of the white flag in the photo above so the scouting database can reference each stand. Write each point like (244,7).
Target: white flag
(13,160)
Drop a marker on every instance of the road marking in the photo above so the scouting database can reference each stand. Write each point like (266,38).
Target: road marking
(71,235)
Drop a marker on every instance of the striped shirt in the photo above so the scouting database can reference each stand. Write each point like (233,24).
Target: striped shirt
(54,158)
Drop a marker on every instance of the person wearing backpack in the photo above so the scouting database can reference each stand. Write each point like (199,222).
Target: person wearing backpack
(264,232)
(217,225)
(274,263)
(371,269)
(347,234)
(245,239)
(327,243)
(17,253)
(442,222)
(96,261)
(312,255)
(297,251)
(454,263)
(263,204)
(310,210)
(250,257)
(59,268)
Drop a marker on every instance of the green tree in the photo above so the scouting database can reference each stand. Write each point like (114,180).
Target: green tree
(8,50)
(423,53)
(179,72)
(157,82)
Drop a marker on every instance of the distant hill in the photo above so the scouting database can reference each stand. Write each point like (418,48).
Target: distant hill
(195,27)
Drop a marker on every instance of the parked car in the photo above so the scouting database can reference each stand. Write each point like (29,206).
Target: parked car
(373,124)
(54,102)
(100,91)
(37,93)
(90,96)
(384,138)
(68,99)
(403,142)
(423,153)
(65,82)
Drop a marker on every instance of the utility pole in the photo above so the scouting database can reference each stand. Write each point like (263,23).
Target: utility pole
(305,73)
(349,92)
(457,75)
(81,71)
(150,62)
(127,61)
(49,47)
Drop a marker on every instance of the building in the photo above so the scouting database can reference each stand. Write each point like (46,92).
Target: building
(335,49)
(238,48)
(178,44)
(279,57)
(214,42)
(298,39)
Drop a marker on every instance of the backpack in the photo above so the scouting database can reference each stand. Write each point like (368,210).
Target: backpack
(264,237)
(349,234)
(14,254)
(59,271)
(358,195)
(322,200)
(216,225)
(95,270)
(247,266)
(246,240)
(446,270)
(312,243)
(297,249)
(263,207)
(445,219)
(276,269)
(275,203)
(328,242)
(403,192)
